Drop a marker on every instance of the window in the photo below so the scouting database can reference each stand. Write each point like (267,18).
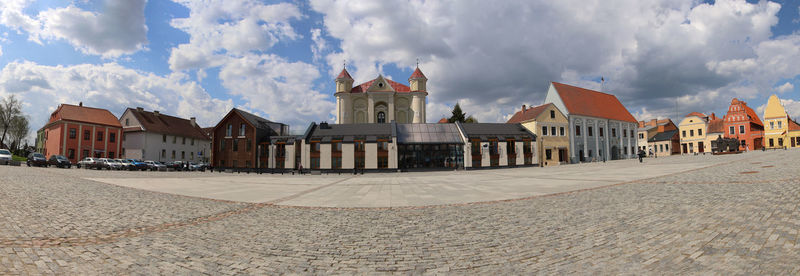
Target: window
(192,142)
(183,155)
(780,142)
(242,129)
(249,146)
(383,145)
(700,132)
(86,135)
(112,137)
(383,162)
(601,132)
(631,135)
(173,154)
(127,123)
(381,117)
(99,136)
(577,130)
(666,147)
(110,154)
(163,153)
(544,131)
(561,131)
(661,148)
(625,134)
(683,133)
(552,113)
(744,143)
(772,125)
(590,131)
(741,129)
(222,144)
(548,154)
(691,132)
(730,129)
(184,141)
(124,137)
(71,154)
(336,162)
(626,150)
(336,146)
(164,138)
(229,131)
(72,133)
(235,145)
(779,124)
(613,132)
(553,131)
(641,135)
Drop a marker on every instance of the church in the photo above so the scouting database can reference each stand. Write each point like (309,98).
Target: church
(380,100)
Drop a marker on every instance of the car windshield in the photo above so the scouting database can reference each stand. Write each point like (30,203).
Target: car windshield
(39,155)
(61,157)
(5,152)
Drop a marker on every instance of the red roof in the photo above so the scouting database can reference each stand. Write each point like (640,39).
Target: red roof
(698,114)
(753,117)
(582,101)
(399,87)
(417,74)
(443,121)
(793,126)
(84,114)
(344,74)
(166,124)
(527,114)
(715,126)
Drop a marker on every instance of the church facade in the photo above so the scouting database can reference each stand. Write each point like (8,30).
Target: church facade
(380,100)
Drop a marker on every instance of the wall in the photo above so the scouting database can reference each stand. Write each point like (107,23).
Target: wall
(693,123)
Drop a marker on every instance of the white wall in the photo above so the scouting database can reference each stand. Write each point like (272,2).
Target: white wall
(325,156)
(371,156)
(348,156)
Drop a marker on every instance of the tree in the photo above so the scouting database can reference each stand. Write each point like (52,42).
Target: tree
(10,108)
(460,116)
(17,131)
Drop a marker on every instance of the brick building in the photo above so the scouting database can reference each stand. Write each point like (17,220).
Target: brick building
(241,140)
(743,123)
(77,131)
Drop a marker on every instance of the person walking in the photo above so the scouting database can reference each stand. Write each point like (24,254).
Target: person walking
(641,155)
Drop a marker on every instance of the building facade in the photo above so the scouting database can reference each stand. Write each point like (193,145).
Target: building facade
(742,123)
(396,146)
(776,124)
(602,128)
(648,130)
(665,143)
(552,129)
(693,133)
(77,131)
(159,137)
(380,100)
(241,139)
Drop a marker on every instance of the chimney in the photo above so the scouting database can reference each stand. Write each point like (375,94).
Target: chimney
(156,112)
(713,116)
(80,104)
(523,108)
(192,120)
(324,125)
(654,121)
(139,109)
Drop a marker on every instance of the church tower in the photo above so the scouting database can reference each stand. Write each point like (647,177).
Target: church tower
(380,100)
(344,82)
(417,81)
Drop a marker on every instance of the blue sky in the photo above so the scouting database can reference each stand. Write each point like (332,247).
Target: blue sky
(278,59)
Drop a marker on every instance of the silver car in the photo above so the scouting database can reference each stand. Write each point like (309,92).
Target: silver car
(155,165)
(5,156)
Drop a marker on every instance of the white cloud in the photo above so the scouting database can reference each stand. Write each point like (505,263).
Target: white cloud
(118,30)
(110,86)
(500,54)
(786,87)
(319,44)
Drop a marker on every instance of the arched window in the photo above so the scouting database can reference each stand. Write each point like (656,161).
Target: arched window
(381,117)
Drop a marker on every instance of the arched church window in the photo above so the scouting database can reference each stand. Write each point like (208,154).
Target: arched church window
(381,117)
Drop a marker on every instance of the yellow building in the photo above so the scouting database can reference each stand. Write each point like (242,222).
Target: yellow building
(776,124)
(552,132)
(692,131)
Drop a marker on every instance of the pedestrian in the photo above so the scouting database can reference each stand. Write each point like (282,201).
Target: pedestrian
(641,155)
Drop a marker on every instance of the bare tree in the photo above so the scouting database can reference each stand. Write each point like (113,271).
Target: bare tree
(18,130)
(10,108)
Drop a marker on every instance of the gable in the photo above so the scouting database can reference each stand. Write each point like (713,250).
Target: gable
(590,103)
(380,85)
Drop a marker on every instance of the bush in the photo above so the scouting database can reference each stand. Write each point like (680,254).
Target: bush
(19,158)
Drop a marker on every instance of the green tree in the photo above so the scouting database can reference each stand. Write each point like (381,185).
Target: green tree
(460,116)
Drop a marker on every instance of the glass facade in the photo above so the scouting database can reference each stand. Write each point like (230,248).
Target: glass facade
(413,156)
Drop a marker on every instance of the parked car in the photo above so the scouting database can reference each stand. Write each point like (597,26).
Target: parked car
(176,165)
(155,165)
(87,163)
(196,166)
(124,164)
(59,161)
(5,156)
(36,159)
(137,164)
(105,163)
(115,165)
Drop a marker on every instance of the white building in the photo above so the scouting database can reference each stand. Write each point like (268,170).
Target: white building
(155,136)
(380,100)
(603,129)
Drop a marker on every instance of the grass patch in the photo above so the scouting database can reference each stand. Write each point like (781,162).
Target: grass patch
(19,158)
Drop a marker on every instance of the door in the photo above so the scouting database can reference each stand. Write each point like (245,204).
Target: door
(700,147)
(683,146)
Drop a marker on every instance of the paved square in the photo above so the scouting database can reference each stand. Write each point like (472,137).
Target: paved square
(671,215)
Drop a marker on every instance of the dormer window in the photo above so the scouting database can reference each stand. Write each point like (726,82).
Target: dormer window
(380,85)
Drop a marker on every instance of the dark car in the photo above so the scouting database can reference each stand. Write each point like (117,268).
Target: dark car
(37,159)
(176,165)
(137,165)
(59,161)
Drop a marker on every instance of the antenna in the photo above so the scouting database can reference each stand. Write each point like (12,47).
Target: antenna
(344,64)
(602,84)
(417,62)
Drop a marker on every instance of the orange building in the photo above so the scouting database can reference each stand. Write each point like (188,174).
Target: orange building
(76,131)
(743,123)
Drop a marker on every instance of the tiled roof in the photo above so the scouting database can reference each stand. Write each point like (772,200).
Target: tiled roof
(84,114)
(528,114)
(257,121)
(166,124)
(663,136)
(399,87)
(698,114)
(208,131)
(793,126)
(715,126)
(444,121)
(344,74)
(753,116)
(417,74)
(581,101)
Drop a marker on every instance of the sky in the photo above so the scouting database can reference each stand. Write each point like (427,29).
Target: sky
(661,58)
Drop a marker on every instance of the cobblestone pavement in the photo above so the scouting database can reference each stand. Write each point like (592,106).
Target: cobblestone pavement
(736,218)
